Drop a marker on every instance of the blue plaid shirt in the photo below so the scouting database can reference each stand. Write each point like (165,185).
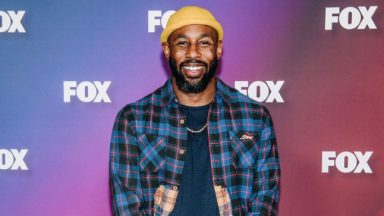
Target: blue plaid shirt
(148,147)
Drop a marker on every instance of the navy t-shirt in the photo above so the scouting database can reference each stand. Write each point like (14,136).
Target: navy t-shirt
(196,195)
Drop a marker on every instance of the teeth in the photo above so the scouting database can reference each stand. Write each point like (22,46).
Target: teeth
(193,68)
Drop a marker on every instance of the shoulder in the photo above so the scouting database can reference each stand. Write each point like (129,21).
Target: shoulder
(241,102)
(143,106)
(247,114)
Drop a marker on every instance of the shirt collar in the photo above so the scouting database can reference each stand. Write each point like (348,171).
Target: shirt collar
(168,95)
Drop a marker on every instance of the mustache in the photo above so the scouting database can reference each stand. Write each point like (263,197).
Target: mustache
(193,61)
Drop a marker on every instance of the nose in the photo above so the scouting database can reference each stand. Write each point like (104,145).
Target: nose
(193,51)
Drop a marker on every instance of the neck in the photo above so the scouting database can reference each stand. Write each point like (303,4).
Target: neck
(196,99)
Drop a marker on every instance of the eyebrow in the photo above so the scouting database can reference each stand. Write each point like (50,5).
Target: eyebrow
(178,36)
(206,35)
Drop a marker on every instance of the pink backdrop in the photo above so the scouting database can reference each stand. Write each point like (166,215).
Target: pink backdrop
(332,95)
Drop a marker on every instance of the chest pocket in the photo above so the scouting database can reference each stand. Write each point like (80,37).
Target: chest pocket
(244,149)
(152,152)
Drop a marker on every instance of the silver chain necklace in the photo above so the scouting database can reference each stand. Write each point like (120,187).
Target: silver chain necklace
(197,131)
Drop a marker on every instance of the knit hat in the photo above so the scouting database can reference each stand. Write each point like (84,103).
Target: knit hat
(190,15)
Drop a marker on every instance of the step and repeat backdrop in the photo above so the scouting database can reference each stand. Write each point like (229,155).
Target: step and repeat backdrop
(67,68)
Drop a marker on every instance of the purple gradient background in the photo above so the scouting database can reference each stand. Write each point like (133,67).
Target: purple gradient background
(332,92)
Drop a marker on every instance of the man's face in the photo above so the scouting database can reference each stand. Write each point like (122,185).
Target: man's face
(193,52)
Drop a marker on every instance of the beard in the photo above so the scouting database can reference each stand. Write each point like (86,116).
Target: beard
(194,85)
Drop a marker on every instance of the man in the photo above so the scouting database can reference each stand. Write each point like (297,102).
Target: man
(195,146)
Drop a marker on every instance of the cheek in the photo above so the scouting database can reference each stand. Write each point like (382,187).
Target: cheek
(208,54)
(178,57)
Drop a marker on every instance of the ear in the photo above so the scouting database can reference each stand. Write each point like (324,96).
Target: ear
(219,49)
(166,50)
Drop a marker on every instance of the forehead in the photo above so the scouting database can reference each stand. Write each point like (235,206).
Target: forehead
(194,31)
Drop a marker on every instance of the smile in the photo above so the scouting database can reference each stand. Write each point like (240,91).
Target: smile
(193,68)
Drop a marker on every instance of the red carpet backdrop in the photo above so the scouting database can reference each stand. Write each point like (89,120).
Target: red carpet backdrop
(67,67)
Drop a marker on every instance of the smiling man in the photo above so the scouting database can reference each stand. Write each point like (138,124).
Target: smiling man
(195,146)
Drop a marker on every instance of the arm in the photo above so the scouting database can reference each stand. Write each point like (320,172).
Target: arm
(124,172)
(267,172)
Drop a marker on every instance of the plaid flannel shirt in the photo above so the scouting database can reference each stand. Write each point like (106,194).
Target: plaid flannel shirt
(148,146)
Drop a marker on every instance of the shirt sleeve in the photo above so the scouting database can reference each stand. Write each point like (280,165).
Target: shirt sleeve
(267,172)
(124,181)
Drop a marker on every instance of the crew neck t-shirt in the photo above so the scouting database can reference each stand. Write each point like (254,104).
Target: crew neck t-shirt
(196,194)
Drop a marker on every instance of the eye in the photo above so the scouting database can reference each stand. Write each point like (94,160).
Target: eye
(204,43)
(182,43)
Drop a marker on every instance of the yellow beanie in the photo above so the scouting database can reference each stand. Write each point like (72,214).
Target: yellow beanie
(190,15)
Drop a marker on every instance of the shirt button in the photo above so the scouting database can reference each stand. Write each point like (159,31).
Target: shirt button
(174,187)
(182,121)
(181,151)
